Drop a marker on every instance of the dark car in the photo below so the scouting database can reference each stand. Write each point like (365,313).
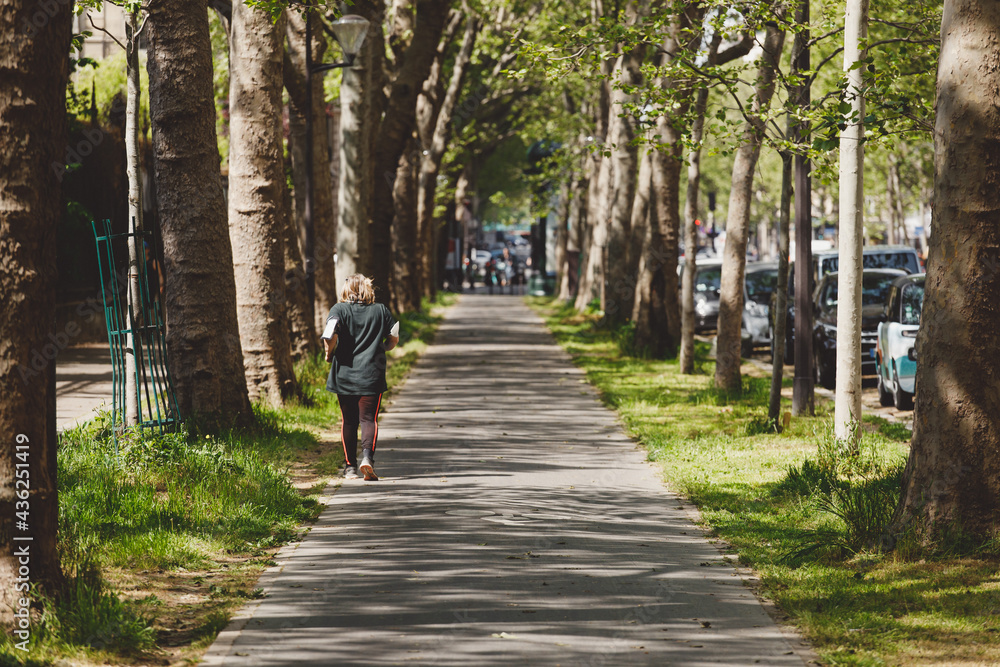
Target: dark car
(875,285)
(898,257)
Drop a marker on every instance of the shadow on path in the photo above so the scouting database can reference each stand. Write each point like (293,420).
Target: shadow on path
(515,524)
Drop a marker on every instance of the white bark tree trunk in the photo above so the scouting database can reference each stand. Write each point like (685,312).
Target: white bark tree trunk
(847,405)
(135,226)
(351,224)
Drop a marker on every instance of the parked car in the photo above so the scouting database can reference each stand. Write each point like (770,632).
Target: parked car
(875,285)
(759,283)
(707,282)
(894,362)
(758,288)
(899,257)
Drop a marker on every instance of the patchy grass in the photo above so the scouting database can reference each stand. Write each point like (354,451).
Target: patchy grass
(163,540)
(802,513)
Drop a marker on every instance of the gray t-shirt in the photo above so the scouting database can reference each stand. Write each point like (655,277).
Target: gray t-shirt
(359,362)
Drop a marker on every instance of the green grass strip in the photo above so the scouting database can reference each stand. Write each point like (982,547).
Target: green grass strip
(804,514)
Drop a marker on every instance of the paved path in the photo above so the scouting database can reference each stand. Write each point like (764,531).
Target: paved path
(83,383)
(514,524)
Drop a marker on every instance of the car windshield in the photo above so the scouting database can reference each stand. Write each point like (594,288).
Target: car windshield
(761,285)
(912,301)
(709,279)
(904,260)
(874,288)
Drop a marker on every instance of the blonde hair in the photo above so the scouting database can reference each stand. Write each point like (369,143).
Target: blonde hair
(358,289)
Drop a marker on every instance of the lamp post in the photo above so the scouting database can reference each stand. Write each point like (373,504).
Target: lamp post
(349,31)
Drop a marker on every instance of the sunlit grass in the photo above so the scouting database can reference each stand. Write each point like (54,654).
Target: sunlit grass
(764,493)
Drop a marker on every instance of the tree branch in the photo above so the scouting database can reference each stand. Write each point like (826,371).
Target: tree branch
(815,40)
(738,50)
(106,32)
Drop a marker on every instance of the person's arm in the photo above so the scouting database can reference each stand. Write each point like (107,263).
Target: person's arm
(392,339)
(330,338)
(331,346)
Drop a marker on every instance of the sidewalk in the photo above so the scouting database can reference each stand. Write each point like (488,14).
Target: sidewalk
(83,383)
(514,524)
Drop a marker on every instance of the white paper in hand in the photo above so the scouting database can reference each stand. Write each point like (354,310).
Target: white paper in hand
(331,328)
(394,331)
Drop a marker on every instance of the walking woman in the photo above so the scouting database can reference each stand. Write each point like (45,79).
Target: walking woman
(358,334)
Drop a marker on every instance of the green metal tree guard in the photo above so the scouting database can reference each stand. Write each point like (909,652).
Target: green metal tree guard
(157,401)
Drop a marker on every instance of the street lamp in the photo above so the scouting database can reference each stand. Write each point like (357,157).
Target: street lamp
(349,31)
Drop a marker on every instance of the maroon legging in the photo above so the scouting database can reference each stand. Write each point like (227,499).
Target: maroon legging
(363,411)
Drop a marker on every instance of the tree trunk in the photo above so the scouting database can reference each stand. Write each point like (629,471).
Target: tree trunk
(563,212)
(802,391)
(396,126)
(951,487)
(897,213)
(847,402)
(324,213)
(781,289)
(728,352)
(303,338)
(639,225)
(428,104)
(656,308)
(691,231)
(297,162)
(135,226)
(595,277)
(352,222)
(34,69)
(576,225)
(434,131)
(406,251)
(621,283)
(257,215)
(203,342)
(596,231)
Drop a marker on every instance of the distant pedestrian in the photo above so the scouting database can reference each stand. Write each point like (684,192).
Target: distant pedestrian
(358,334)
(507,279)
(491,274)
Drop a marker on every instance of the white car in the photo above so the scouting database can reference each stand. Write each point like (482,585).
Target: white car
(897,332)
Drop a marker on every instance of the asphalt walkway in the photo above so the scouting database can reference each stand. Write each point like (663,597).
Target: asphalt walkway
(515,524)
(83,383)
